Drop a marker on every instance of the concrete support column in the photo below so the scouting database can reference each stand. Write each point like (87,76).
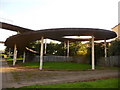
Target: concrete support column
(105,49)
(45,46)
(93,57)
(41,54)
(68,48)
(18,32)
(64,48)
(15,55)
(24,57)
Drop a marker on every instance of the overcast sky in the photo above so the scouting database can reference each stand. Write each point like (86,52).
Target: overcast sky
(42,14)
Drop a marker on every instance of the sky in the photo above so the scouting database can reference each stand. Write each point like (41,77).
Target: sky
(43,14)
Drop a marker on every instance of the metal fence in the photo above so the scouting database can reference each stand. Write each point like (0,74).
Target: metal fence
(109,61)
(49,58)
(57,59)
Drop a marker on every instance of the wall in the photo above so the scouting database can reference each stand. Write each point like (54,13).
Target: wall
(117,30)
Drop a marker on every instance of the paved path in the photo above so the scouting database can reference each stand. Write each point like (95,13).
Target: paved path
(0,71)
(31,76)
(53,77)
(7,77)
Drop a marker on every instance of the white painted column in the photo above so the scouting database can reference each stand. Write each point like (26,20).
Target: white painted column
(64,48)
(41,54)
(15,55)
(93,54)
(45,46)
(18,32)
(105,49)
(68,48)
(24,57)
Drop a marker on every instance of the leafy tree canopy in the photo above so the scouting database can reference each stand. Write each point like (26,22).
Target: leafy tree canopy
(114,48)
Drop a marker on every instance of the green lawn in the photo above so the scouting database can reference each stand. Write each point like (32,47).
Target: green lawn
(60,65)
(108,83)
(10,61)
(52,65)
(57,65)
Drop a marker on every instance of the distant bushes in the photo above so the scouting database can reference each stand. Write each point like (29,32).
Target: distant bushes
(114,48)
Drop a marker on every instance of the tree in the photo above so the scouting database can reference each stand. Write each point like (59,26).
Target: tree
(78,49)
(114,48)
(35,45)
(98,50)
(55,49)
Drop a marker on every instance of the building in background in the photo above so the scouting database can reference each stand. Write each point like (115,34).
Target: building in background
(117,30)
